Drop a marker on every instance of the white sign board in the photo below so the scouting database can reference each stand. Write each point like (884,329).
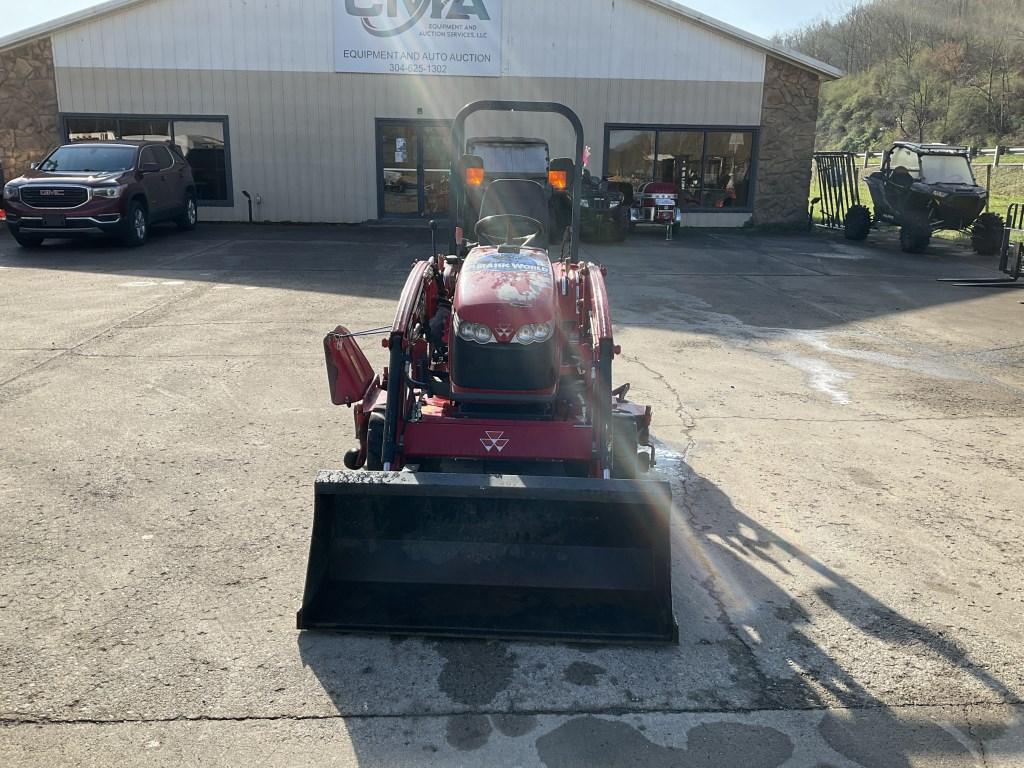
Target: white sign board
(418,37)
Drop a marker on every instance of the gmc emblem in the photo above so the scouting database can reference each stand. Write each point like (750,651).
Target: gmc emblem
(51,192)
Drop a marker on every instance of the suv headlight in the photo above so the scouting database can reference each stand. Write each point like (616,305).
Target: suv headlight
(477,332)
(584,203)
(535,333)
(11,192)
(107,193)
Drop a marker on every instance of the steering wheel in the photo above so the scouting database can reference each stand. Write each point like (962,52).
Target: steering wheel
(509,229)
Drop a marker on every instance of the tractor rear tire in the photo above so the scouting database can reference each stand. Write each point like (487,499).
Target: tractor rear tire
(915,237)
(857,223)
(987,235)
(375,443)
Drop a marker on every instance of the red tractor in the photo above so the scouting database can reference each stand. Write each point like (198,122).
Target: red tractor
(500,486)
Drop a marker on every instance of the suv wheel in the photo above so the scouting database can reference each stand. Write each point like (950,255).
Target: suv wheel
(987,235)
(136,230)
(915,236)
(26,241)
(190,216)
(857,223)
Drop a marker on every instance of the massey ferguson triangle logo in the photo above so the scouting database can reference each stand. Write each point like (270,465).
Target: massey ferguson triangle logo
(403,15)
(494,441)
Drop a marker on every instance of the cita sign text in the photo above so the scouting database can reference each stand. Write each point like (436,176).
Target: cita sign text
(418,37)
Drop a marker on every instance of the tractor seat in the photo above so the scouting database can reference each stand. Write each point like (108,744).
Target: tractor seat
(518,196)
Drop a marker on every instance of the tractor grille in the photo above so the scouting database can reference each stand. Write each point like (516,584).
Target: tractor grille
(54,197)
(505,367)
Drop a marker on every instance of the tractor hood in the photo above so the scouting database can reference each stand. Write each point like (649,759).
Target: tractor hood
(506,290)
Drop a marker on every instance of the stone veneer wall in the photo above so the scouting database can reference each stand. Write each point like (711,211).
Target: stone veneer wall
(28,106)
(789,120)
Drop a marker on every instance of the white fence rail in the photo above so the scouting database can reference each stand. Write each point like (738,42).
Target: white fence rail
(1000,155)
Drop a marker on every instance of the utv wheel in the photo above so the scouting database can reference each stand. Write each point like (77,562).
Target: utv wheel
(26,241)
(620,231)
(858,223)
(915,237)
(136,230)
(375,443)
(190,216)
(987,235)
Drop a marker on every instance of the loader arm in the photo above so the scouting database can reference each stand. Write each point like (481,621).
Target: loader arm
(411,310)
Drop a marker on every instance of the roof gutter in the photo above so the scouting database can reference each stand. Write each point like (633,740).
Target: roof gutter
(820,68)
(48,28)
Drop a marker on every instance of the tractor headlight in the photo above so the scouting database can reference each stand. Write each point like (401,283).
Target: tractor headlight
(108,193)
(535,333)
(476,332)
(613,204)
(11,192)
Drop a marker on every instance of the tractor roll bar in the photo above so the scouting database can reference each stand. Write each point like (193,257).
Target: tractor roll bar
(456,186)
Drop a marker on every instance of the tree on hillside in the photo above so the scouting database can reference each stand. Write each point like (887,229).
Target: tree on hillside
(943,70)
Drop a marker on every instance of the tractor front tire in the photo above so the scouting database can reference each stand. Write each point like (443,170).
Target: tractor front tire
(625,460)
(375,443)
(857,223)
(915,237)
(987,235)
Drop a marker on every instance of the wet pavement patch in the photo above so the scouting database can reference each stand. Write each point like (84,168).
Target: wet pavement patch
(468,732)
(583,674)
(878,738)
(475,673)
(590,741)
(514,726)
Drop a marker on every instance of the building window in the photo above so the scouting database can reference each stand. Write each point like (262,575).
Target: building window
(712,169)
(202,141)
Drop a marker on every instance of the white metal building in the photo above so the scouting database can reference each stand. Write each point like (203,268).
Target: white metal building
(337,110)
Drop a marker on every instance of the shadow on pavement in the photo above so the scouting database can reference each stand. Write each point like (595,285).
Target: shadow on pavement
(837,713)
(719,269)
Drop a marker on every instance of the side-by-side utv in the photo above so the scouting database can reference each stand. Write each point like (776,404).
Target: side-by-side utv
(924,188)
(500,485)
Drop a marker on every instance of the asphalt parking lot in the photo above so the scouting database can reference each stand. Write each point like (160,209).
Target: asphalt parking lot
(843,434)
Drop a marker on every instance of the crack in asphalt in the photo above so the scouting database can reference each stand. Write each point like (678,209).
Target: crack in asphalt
(9,722)
(975,737)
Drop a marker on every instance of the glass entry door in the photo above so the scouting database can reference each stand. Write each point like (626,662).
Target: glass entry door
(413,157)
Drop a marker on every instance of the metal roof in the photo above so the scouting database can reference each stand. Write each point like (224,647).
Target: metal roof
(823,70)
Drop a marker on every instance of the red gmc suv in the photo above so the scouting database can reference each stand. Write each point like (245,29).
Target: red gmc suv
(118,188)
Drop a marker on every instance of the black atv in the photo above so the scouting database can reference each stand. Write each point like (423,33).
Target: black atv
(925,188)
(604,209)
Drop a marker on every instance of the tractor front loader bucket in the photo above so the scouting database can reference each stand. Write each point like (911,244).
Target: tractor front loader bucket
(490,556)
